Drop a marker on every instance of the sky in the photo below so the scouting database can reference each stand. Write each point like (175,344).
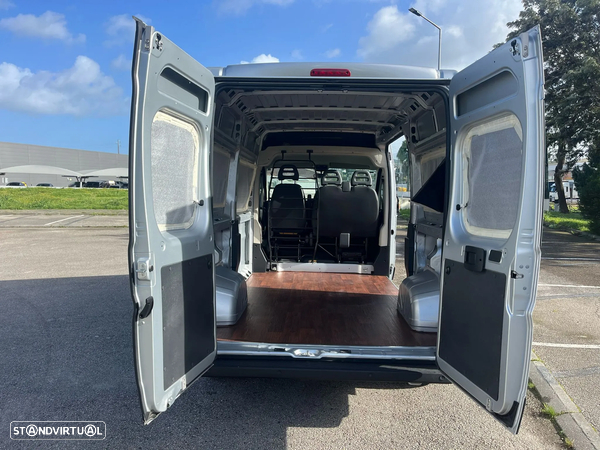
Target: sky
(65,66)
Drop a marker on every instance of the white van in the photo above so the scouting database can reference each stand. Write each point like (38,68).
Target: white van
(263,222)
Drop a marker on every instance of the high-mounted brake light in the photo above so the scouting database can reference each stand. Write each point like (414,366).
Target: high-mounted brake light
(330,73)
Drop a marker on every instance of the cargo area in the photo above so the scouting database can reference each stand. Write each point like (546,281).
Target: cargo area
(323,309)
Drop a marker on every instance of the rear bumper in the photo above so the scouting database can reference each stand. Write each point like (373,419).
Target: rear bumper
(327,369)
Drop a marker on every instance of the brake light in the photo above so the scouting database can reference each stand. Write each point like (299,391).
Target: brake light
(330,73)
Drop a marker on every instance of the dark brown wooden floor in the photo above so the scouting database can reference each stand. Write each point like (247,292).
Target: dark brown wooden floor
(323,308)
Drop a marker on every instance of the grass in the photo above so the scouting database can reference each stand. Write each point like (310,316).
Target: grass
(48,198)
(404,214)
(572,221)
(549,411)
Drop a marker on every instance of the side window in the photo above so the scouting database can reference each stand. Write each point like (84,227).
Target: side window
(174,184)
(492,164)
(220,176)
(245,178)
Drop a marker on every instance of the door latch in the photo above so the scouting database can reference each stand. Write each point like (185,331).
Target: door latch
(516,275)
(147,309)
(143,269)
(474,258)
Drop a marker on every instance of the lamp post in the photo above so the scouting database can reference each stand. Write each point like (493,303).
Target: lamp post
(417,13)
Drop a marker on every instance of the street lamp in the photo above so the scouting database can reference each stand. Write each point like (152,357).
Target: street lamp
(417,13)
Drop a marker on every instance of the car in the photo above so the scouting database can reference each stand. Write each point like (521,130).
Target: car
(263,222)
(16,184)
(44,185)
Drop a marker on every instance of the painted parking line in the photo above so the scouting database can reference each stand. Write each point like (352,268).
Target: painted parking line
(552,344)
(569,286)
(62,220)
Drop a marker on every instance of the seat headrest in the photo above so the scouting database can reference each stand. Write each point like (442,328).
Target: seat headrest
(331,177)
(288,172)
(361,178)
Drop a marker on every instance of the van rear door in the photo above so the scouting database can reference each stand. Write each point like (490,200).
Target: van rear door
(491,252)
(171,230)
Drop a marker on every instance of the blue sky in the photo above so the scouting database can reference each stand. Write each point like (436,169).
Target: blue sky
(65,65)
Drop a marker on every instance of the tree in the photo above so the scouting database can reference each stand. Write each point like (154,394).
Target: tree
(402,156)
(571,44)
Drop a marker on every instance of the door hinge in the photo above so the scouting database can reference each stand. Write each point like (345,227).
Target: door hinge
(143,269)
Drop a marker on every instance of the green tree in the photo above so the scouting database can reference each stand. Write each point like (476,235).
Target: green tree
(571,44)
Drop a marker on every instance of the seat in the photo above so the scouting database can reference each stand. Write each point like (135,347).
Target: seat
(365,205)
(287,203)
(328,205)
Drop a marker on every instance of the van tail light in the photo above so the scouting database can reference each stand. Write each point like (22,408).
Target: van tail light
(330,73)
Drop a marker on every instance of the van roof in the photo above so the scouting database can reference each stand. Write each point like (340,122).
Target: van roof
(357,70)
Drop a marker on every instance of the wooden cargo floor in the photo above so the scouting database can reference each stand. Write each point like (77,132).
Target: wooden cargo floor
(323,308)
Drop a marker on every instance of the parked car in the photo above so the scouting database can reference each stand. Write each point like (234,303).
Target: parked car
(16,184)
(44,185)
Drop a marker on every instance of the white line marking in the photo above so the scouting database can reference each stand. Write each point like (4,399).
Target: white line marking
(569,286)
(61,220)
(571,259)
(550,344)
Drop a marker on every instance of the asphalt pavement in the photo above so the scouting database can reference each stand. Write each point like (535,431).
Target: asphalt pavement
(65,331)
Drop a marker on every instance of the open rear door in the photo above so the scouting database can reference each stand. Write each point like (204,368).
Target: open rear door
(170,226)
(491,253)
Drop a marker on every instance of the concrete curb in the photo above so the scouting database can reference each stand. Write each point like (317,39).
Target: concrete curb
(63,212)
(574,232)
(572,423)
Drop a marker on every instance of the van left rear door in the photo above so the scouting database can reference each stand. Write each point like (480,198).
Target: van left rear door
(171,230)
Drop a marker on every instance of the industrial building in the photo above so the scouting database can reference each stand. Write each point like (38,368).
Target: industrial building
(82,161)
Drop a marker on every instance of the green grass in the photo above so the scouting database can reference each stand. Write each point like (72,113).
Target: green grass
(572,220)
(48,198)
(549,411)
(404,214)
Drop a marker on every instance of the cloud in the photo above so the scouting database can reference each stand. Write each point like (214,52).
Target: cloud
(239,7)
(262,59)
(81,90)
(121,62)
(6,4)
(121,29)
(469,32)
(326,28)
(333,53)
(49,25)
(297,54)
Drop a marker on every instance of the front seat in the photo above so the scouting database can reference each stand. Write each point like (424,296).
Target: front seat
(287,203)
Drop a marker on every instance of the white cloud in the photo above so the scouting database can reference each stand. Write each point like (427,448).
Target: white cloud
(80,90)
(326,28)
(468,32)
(333,53)
(121,29)
(6,4)
(262,58)
(387,30)
(121,62)
(239,7)
(49,25)
(297,55)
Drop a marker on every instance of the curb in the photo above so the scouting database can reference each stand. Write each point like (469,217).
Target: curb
(61,212)
(571,421)
(574,232)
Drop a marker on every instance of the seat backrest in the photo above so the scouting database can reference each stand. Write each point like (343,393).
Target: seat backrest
(287,202)
(365,204)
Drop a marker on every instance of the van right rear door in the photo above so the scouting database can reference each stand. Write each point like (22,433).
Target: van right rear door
(491,252)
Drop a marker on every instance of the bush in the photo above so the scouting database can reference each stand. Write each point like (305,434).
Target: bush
(587,181)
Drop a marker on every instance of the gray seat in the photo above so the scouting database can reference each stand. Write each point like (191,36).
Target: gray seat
(365,204)
(328,205)
(287,203)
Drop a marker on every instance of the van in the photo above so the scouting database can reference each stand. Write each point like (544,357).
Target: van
(263,222)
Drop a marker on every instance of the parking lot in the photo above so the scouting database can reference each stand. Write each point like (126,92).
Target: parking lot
(65,327)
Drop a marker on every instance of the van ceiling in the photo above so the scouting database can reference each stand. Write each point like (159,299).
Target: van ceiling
(373,113)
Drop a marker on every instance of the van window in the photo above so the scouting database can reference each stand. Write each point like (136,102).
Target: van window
(174,184)
(493,160)
(245,179)
(221,162)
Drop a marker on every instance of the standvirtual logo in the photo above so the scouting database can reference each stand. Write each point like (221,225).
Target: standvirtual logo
(57,430)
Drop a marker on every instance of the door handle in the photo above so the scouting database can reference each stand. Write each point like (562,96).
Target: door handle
(474,259)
